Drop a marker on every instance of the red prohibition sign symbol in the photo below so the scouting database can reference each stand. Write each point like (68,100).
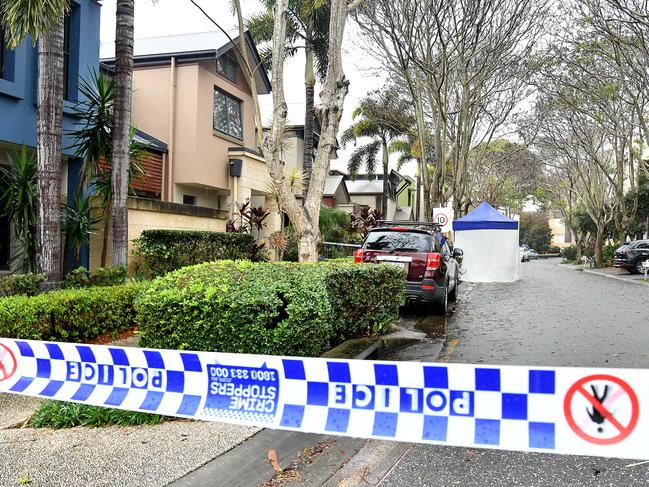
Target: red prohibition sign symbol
(441,219)
(8,362)
(578,390)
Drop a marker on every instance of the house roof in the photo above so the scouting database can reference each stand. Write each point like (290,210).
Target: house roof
(188,47)
(365,186)
(149,141)
(332,183)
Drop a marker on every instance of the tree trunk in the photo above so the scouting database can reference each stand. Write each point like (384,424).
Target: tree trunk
(50,119)
(104,244)
(309,115)
(386,185)
(122,128)
(599,243)
(308,247)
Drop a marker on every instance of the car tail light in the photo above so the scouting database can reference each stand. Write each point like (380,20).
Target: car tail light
(358,256)
(432,261)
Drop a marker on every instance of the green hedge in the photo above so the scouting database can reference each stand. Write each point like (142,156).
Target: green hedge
(74,315)
(269,308)
(22,284)
(164,251)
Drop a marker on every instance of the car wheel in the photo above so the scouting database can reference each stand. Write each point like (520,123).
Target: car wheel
(638,266)
(453,294)
(441,307)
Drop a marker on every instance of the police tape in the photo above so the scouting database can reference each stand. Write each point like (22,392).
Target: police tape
(543,409)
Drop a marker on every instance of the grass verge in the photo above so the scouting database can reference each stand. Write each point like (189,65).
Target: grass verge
(59,414)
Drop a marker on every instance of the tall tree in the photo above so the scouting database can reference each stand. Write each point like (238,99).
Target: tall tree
(307,28)
(43,21)
(382,116)
(329,112)
(465,66)
(122,128)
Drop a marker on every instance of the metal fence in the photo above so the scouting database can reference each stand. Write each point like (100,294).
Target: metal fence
(335,250)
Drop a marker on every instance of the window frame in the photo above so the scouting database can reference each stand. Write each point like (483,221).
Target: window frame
(3,46)
(239,102)
(187,197)
(233,63)
(67,25)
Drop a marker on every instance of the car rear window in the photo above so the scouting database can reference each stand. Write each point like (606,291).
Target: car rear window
(397,241)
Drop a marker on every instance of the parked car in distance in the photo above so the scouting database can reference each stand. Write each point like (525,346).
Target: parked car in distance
(631,255)
(532,254)
(432,272)
(523,253)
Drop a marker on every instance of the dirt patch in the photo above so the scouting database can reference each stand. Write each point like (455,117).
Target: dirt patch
(108,338)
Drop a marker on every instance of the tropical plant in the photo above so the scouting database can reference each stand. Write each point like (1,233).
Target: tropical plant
(18,203)
(247,219)
(382,116)
(122,128)
(93,142)
(365,219)
(24,18)
(78,226)
(307,28)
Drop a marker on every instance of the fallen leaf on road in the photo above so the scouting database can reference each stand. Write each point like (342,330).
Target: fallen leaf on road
(272,458)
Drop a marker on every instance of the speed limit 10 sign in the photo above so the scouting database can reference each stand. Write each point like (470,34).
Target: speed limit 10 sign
(444,218)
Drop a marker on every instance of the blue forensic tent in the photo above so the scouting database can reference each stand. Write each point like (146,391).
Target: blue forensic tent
(490,243)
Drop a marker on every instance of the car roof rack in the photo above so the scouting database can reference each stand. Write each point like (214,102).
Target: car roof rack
(385,223)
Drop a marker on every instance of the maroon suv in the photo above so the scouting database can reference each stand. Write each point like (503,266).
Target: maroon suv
(421,249)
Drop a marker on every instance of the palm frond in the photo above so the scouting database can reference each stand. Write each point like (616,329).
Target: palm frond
(22,18)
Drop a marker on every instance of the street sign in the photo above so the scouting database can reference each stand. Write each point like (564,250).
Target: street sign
(7,363)
(601,409)
(444,218)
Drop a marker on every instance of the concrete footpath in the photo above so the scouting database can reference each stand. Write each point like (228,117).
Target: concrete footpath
(611,273)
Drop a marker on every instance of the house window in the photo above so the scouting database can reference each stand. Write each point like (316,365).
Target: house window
(2,52)
(71,53)
(227,114)
(66,58)
(189,199)
(227,67)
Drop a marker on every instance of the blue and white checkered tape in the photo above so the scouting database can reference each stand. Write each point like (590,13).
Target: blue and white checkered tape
(543,409)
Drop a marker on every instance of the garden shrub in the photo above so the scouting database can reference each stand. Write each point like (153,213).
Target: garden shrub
(59,414)
(267,308)
(365,298)
(22,284)
(608,252)
(73,315)
(76,278)
(569,253)
(104,276)
(164,251)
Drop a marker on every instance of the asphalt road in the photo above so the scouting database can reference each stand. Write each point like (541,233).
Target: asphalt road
(553,316)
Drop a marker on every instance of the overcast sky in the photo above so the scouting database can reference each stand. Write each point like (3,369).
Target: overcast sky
(167,17)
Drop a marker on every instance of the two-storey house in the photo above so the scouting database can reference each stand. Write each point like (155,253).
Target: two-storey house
(190,92)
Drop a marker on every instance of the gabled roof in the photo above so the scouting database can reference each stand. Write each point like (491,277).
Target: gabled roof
(332,183)
(365,186)
(149,141)
(188,47)
(485,217)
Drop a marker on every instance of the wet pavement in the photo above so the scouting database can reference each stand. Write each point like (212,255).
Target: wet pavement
(553,316)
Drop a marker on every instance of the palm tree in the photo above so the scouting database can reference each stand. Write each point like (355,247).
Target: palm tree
(43,21)
(93,142)
(307,28)
(122,128)
(382,117)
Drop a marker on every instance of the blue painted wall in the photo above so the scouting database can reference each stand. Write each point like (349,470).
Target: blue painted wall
(18,93)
